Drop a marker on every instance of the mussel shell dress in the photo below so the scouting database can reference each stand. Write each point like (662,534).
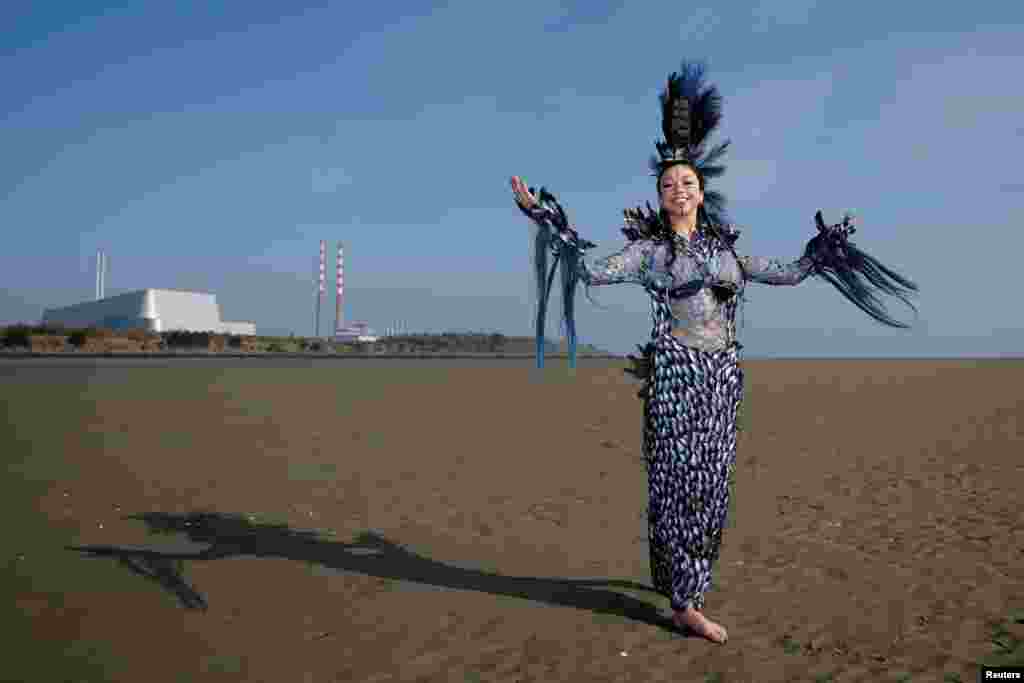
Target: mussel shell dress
(691,399)
(691,403)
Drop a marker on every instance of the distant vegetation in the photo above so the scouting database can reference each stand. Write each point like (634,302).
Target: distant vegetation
(99,340)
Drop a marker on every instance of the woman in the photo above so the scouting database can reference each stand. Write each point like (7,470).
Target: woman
(683,255)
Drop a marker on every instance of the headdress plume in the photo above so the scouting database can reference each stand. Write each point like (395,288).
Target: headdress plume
(691,110)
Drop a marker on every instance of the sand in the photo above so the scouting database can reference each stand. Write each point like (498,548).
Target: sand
(485,522)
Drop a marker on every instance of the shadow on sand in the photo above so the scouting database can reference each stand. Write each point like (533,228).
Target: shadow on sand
(371,554)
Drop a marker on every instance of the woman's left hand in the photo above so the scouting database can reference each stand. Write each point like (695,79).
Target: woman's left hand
(847,227)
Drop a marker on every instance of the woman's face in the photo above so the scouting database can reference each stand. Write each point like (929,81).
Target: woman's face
(679,191)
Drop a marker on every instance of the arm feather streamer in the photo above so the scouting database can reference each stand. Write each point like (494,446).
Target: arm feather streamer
(858,276)
(555,236)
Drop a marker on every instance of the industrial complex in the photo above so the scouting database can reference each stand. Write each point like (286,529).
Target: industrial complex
(166,310)
(155,310)
(355,332)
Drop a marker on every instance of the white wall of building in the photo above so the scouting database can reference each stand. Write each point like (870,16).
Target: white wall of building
(157,310)
(192,311)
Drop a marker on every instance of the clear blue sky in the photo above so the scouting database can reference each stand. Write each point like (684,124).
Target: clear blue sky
(211,145)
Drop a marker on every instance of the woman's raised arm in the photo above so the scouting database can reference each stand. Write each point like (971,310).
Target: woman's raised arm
(629,265)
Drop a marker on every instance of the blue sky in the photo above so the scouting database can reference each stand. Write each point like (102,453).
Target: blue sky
(211,145)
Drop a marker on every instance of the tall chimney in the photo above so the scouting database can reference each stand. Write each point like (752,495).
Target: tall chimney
(321,288)
(99,269)
(338,319)
(103,275)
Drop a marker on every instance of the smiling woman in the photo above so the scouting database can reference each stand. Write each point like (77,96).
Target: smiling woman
(683,255)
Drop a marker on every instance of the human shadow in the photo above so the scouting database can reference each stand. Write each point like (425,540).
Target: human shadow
(371,554)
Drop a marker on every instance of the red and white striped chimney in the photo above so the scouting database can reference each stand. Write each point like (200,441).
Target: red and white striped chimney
(338,319)
(323,266)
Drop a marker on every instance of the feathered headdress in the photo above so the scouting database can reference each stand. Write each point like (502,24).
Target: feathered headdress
(690,112)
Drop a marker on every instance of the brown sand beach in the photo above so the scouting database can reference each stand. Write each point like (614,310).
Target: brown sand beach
(446,521)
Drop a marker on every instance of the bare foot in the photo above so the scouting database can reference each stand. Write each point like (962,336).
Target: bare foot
(695,621)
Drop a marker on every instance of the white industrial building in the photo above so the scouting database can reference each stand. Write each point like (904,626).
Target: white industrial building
(356,332)
(156,310)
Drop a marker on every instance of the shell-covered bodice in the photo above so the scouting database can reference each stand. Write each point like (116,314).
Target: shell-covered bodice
(700,287)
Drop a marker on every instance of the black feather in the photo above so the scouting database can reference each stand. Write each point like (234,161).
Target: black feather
(856,275)
(680,120)
(642,223)
(690,112)
(654,162)
(709,111)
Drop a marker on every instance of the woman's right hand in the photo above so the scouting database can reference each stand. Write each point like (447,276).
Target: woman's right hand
(524,199)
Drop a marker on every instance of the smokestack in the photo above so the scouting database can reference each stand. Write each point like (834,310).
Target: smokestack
(321,288)
(101,274)
(340,287)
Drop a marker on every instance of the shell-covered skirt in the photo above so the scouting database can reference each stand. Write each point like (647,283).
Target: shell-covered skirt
(691,405)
